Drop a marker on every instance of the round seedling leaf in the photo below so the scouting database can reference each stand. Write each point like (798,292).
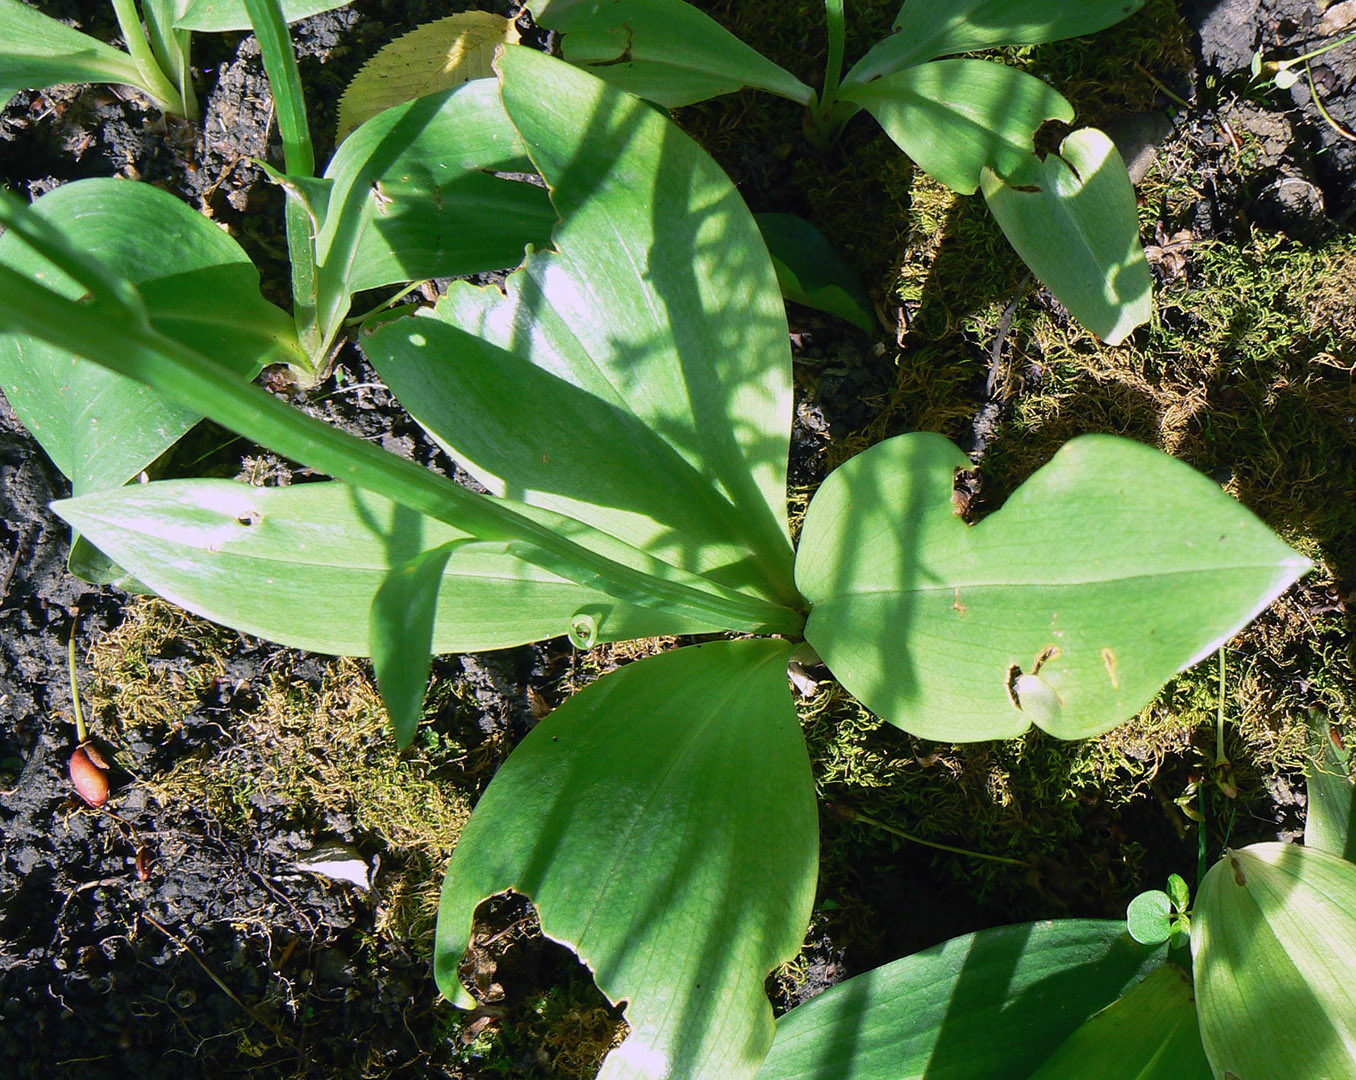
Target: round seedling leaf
(1148,918)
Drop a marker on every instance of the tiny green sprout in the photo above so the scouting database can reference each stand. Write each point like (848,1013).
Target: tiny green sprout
(1154,917)
(1286,73)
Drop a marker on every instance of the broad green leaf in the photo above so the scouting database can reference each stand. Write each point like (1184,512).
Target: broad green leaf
(987,1006)
(812,273)
(1107,572)
(1273,946)
(925,30)
(1072,219)
(1148,918)
(111,331)
(436,56)
(221,15)
(412,195)
(1149,1034)
(954,118)
(647,354)
(404,608)
(1330,823)
(40,52)
(663,50)
(301,565)
(199,288)
(663,822)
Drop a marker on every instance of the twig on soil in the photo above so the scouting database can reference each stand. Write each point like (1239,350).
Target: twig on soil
(847,813)
(20,551)
(276,1031)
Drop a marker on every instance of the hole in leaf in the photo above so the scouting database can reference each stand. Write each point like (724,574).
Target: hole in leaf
(540,1000)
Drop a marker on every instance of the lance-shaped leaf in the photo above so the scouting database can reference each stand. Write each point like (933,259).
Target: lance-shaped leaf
(648,353)
(1273,945)
(301,565)
(986,1006)
(663,50)
(1330,822)
(413,194)
(1149,1034)
(403,612)
(198,286)
(663,822)
(954,118)
(924,29)
(40,52)
(436,56)
(812,273)
(111,330)
(222,15)
(1107,572)
(1072,219)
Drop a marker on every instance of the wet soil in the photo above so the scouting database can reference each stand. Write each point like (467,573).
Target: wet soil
(159,940)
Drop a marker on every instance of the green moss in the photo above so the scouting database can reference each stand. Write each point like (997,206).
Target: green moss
(322,747)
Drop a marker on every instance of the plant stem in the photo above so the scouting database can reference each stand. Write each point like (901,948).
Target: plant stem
(1318,102)
(280,64)
(81,734)
(827,114)
(1219,714)
(849,814)
(1282,65)
(833,67)
(153,77)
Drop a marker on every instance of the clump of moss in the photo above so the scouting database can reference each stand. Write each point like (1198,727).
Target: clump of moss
(323,745)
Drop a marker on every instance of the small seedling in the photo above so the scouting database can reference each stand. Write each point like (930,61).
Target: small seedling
(1156,916)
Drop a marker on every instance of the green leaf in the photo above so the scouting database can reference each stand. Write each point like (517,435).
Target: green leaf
(954,118)
(436,56)
(198,286)
(404,608)
(663,822)
(301,565)
(222,15)
(649,350)
(1107,572)
(111,331)
(924,29)
(1072,219)
(412,194)
(40,52)
(812,273)
(1178,892)
(986,1006)
(663,50)
(1149,1034)
(1148,917)
(1330,823)
(1273,947)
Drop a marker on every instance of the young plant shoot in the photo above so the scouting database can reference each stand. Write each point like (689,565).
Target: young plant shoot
(968,123)
(627,399)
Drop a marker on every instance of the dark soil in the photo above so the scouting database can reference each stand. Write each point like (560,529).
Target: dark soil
(161,941)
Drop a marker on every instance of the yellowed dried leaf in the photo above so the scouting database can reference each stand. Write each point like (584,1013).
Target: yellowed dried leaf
(436,56)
